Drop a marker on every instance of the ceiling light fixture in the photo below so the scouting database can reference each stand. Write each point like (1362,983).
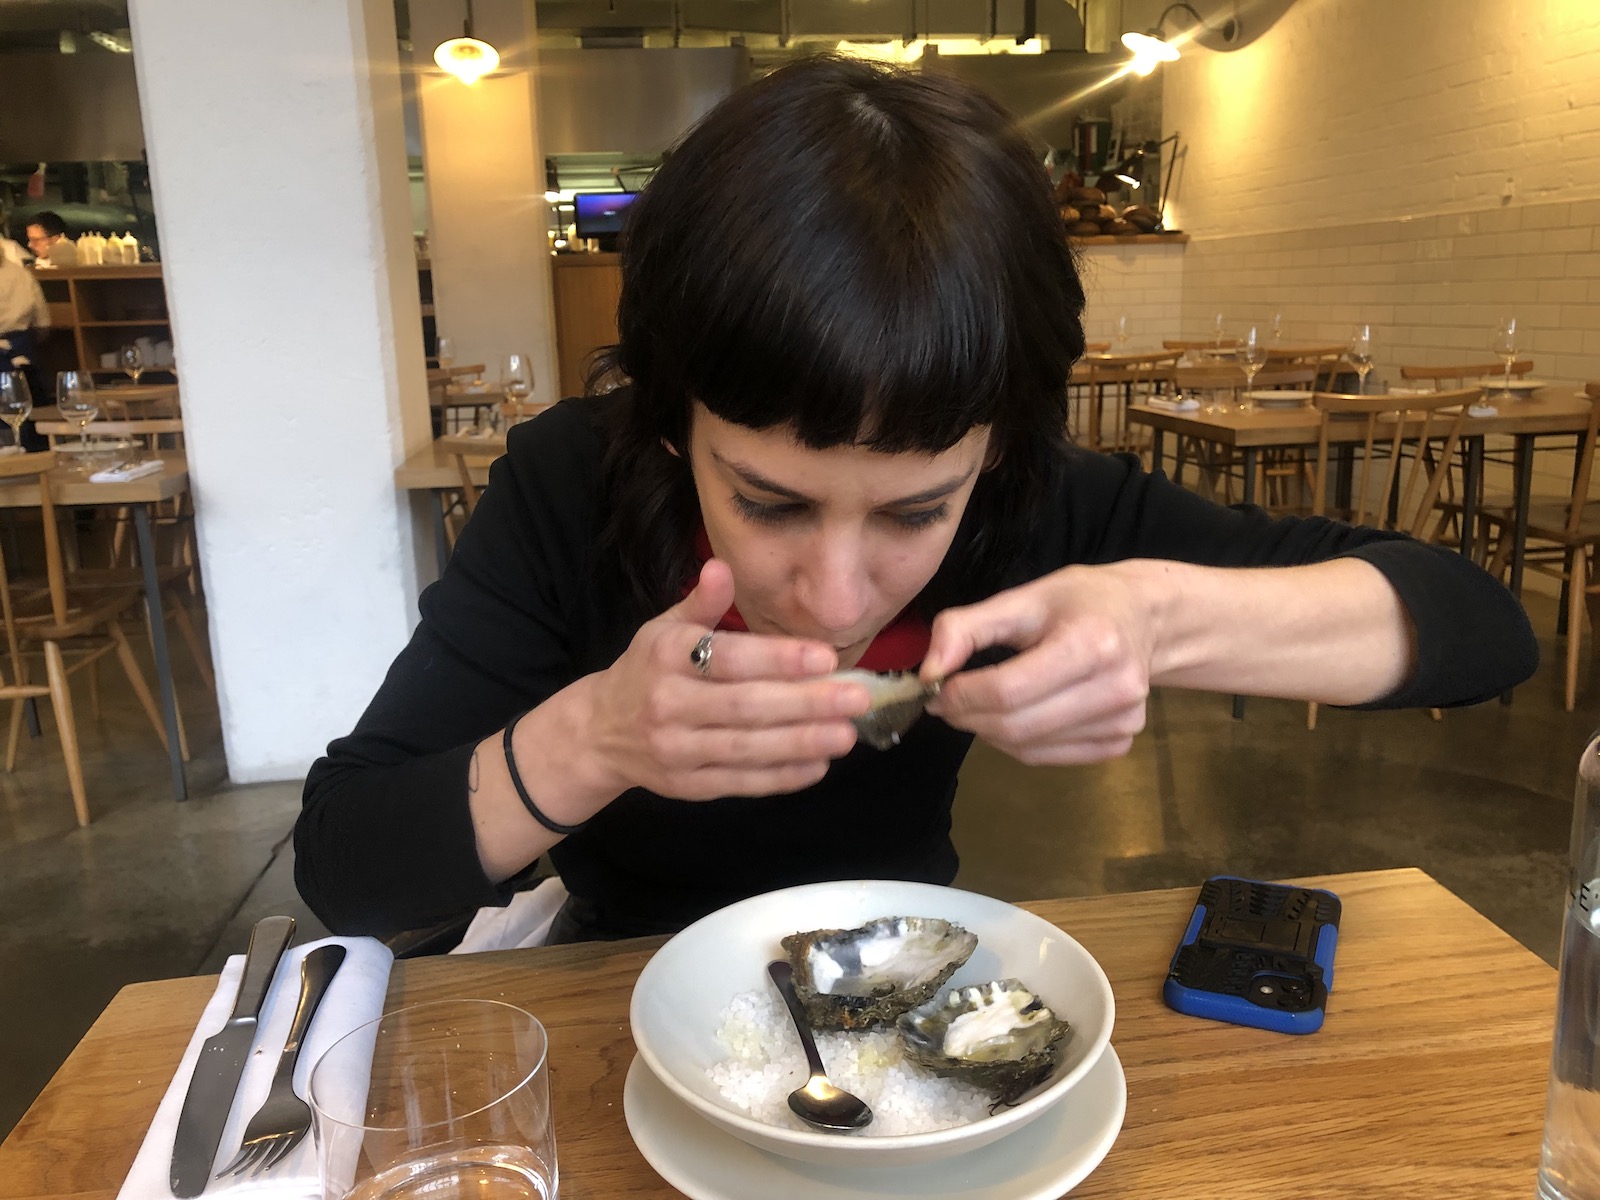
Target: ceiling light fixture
(1151,48)
(466,57)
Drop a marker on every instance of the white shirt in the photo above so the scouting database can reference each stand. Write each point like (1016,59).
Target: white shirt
(12,251)
(22,303)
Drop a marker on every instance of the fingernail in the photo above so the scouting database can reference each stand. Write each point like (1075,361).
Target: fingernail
(817,660)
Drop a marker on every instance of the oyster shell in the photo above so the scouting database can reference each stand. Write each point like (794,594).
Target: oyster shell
(859,978)
(998,1036)
(898,698)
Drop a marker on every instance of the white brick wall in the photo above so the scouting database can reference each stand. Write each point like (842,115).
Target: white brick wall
(1352,165)
(1143,281)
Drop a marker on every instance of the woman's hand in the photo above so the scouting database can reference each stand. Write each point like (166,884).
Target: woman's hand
(1076,690)
(760,723)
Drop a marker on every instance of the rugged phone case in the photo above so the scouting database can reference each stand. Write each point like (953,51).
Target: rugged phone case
(1256,954)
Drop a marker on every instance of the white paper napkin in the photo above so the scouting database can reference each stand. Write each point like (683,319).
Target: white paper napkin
(1187,404)
(355,997)
(524,922)
(127,471)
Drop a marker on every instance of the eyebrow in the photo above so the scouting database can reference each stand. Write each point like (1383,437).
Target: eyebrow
(755,479)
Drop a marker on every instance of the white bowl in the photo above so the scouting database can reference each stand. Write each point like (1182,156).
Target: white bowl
(683,991)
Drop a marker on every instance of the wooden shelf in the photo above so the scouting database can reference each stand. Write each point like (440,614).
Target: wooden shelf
(94,306)
(1132,239)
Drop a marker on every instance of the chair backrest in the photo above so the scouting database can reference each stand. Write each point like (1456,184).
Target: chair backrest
(1324,362)
(153,432)
(1394,431)
(1274,376)
(1181,344)
(20,471)
(1580,477)
(139,403)
(1459,374)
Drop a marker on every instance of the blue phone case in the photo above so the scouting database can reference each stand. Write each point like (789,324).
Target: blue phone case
(1256,954)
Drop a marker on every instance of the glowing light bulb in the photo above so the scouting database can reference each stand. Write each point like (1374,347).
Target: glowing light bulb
(468,59)
(1148,52)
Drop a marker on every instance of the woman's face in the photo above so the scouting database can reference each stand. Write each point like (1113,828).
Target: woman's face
(827,544)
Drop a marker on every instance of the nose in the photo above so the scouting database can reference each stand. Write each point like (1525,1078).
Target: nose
(831,584)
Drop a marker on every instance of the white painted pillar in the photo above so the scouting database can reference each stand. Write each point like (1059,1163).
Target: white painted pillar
(277,161)
(484,172)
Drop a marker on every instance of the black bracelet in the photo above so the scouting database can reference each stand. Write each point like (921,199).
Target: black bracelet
(522,792)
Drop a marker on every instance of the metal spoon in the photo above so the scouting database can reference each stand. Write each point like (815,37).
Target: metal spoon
(818,1102)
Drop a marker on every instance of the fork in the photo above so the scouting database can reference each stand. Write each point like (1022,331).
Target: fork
(283,1119)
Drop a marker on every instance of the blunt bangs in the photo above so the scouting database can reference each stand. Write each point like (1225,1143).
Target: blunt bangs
(863,254)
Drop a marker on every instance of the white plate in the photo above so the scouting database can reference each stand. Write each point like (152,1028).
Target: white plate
(1497,383)
(1041,1161)
(1280,398)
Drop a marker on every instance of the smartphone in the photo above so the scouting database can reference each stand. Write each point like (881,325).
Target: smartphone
(1256,954)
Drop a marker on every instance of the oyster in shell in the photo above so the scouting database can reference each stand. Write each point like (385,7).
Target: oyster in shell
(860,978)
(898,698)
(998,1036)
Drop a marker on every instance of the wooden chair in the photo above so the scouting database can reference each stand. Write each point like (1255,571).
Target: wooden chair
(1394,484)
(1181,344)
(1129,376)
(1325,362)
(1447,530)
(1571,528)
(1214,464)
(61,620)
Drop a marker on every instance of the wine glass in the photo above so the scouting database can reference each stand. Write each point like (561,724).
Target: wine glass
(1277,328)
(16,403)
(1253,356)
(1124,332)
(1505,345)
(1220,328)
(131,359)
(76,401)
(445,352)
(516,381)
(1360,354)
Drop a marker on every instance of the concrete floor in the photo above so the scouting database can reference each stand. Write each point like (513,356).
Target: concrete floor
(1481,800)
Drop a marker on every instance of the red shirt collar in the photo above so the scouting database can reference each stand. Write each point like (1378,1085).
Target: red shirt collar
(900,646)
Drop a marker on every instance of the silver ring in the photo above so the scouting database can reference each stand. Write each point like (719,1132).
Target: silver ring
(700,656)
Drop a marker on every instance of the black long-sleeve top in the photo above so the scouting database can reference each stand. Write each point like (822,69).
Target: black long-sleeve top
(531,601)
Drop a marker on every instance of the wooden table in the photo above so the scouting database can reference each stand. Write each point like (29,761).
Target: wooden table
(1554,410)
(70,486)
(1427,1078)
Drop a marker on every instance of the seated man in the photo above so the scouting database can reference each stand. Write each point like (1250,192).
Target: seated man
(47,238)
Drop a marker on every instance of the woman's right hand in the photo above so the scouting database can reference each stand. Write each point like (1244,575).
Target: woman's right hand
(763,721)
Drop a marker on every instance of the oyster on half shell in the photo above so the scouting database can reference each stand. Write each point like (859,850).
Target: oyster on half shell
(860,978)
(898,698)
(998,1036)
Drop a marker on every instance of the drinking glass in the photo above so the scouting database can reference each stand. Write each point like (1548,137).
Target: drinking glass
(1569,1161)
(16,403)
(1253,356)
(1220,328)
(1505,345)
(131,359)
(76,401)
(1123,332)
(445,352)
(450,1098)
(1360,353)
(516,381)
(1277,327)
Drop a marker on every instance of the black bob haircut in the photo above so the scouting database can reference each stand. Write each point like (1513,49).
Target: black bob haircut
(50,222)
(863,255)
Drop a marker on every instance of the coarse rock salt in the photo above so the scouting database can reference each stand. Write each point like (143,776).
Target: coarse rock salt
(766,1064)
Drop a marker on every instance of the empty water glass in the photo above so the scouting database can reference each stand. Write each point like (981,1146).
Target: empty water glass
(1360,354)
(450,1098)
(76,401)
(16,403)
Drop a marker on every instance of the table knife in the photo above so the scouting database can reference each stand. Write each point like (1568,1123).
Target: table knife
(222,1059)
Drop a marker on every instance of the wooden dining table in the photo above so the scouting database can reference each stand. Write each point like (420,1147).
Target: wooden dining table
(1427,1078)
(1554,410)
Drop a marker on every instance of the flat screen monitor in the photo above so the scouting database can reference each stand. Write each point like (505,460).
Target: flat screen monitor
(601,215)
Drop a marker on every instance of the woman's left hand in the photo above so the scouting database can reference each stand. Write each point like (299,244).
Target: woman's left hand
(1075,692)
